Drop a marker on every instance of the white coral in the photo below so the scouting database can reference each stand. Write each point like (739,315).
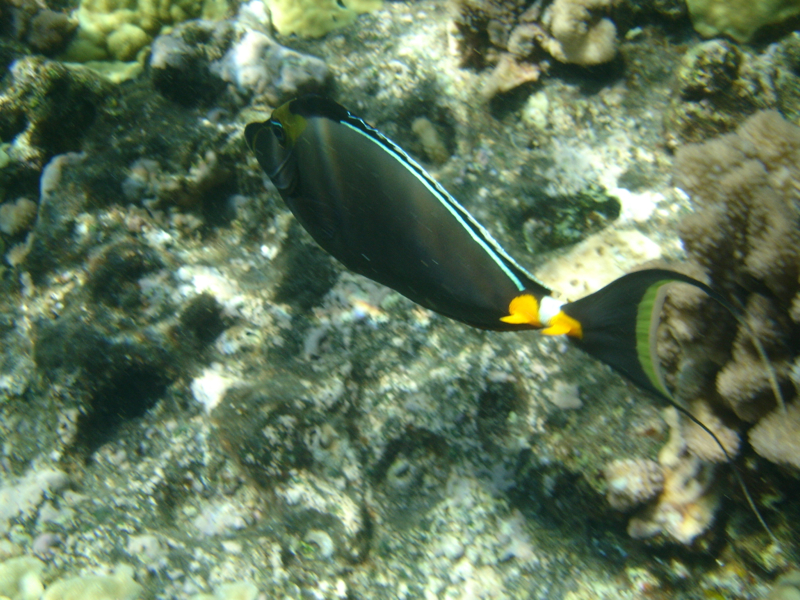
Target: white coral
(686,506)
(632,482)
(701,443)
(777,436)
(578,35)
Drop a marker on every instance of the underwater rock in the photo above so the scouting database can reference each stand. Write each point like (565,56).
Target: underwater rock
(315,18)
(202,320)
(46,31)
(20,578)
(53,240)
(258,65)
(286,443)
(266,429)
(559,221)
(18,216)
(49,31)
(118,586)
(181,61)
(121,377)
(776,436)
(116,271)
(739,19)
(21,499)
(194,62)
(243,590)
(632,482)
(46,108)
(718,84)
(578,34)
(118,31)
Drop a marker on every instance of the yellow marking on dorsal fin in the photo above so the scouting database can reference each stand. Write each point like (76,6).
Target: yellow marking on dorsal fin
(562,324)
(524,310)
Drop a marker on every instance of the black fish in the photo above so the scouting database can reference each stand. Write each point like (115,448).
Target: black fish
(375,209)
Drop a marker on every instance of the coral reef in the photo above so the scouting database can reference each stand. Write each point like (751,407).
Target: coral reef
(686,507)
(632,482)
(717,85)
(21,578)
(195,61)
(45,109)
(787,587)
(34,24)
(46,31)
(745,186)
(315,18)
(189,386)
(119,30)
(720,83)
(682,484)
(578,34)
(258,65)
(181,61)
(740,19)
(117,586)
(701,444)
(516,40)
(776,438)
(17,216)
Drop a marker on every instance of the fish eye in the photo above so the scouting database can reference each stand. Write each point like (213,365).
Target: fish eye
(278,131)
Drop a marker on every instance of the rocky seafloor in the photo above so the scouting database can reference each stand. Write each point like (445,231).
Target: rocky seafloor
(197,402)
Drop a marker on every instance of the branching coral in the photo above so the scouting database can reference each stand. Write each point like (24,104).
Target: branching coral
(746,235)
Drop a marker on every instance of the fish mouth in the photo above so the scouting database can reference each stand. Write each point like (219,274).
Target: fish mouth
(278,175)
(282,178)
(250,132)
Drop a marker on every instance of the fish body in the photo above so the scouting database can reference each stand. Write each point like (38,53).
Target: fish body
(367,203)
(376,210)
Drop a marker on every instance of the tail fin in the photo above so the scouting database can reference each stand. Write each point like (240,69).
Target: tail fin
(619,324)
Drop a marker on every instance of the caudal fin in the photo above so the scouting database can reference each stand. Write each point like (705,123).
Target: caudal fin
(618,325)
(620,321)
